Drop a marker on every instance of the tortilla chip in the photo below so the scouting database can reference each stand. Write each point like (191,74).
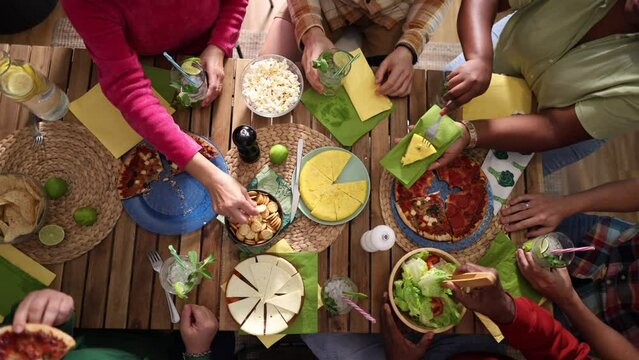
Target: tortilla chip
(22,203)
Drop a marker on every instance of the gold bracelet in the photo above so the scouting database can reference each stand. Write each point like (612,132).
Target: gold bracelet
(472,132)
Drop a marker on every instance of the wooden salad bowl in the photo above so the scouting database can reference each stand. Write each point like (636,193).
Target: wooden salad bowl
(396,274)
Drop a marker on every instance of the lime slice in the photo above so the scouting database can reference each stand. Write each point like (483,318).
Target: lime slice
(544,245)
(51,234)
(192,66)
(180,289)
(18,83)
(341,58)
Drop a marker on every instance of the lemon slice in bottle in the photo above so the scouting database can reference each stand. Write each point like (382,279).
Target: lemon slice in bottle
(51,234)
(17,83)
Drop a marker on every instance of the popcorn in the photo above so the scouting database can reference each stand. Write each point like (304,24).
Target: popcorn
(270,87)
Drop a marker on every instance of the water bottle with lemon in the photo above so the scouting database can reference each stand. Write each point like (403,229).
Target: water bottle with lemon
(20,82)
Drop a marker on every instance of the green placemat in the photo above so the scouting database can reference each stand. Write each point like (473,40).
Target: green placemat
(338,115)
(501,256)
(447,133)
(160,79)
(15,284)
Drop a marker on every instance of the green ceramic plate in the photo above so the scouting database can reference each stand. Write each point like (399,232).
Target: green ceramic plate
(353,171)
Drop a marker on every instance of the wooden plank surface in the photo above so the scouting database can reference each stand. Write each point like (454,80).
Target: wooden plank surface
(114,286)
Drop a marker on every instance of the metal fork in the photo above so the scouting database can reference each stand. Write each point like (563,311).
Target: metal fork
(38,138)
(156,263)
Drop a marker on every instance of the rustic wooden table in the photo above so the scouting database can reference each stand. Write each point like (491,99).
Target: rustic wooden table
(114,286)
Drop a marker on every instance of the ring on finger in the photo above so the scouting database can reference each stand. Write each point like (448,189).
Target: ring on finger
(527,205)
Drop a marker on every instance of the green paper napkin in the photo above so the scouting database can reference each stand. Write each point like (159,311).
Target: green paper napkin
(501,256)
(160,79)
(307,265)
(338,115)
(447,133)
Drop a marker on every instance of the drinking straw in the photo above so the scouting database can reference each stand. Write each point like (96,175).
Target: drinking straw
(572,249)
(340,71)
(361,311)
(179,68)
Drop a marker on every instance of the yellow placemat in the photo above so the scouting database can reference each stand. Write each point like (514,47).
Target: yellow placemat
(505,96)
(360,86)
(105,121)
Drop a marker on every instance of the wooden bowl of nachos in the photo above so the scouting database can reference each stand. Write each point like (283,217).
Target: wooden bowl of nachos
(262,230)
(416,293)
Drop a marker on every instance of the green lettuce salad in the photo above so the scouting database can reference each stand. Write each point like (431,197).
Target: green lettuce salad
(420,293)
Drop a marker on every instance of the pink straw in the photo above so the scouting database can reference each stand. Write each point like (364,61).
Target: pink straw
(361,311)
(569,250)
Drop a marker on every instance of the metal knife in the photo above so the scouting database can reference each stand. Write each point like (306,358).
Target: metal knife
(295,182)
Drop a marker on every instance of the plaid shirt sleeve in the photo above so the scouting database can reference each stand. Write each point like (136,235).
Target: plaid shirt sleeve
(305,14)
(423,19)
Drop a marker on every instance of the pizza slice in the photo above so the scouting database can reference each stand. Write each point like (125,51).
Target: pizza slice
(207,150)
(418,190)
(426,216)
(37,341)
(140,166)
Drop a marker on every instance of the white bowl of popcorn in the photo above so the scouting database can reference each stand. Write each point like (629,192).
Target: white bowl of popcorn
(272,85)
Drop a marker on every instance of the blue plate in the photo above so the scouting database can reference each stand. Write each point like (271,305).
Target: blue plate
(442,187)
(175,205)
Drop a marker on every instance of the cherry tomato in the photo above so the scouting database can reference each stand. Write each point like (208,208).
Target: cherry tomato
(432,260)
(437,306)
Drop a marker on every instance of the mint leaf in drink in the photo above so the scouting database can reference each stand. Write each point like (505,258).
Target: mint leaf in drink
(189,89)
(206,274)
(193,258)
(177,257)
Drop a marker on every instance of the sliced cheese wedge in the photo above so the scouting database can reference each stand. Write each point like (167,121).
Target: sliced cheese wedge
(287,266)
(325,208)
(238,288)
(286,315)
(274,322)
(241,309)
(267,258)
(355,189)
(254,324)
(338,160)
(291,302)
(345,206)
(294,284)
(322,165)
(261,273)
(278,278)
(244,269)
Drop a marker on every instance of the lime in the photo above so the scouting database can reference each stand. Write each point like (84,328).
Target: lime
(51,234)
(181,289)
(55,187)
(278,154)
(527,246)
(85,216)
(192,66)
(341,58)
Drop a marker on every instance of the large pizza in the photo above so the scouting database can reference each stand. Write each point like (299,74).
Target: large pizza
(36,342)
(445,219)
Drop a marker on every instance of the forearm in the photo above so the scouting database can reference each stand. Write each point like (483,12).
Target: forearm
(613,196)
(306,15)
(547,130)
(226,30)
(474,23)
(424,17)
(604,340)
(203,170)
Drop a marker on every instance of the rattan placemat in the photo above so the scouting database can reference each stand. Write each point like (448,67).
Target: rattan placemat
(471,253)
(303,234)
(72,153)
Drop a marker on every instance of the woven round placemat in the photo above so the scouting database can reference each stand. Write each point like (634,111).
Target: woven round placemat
(303,234)
(471,253)
(72,153)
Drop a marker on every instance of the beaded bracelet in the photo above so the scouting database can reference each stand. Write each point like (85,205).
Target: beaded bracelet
(472,132)
(199,356)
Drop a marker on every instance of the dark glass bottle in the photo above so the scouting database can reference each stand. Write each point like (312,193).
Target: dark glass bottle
(245,138)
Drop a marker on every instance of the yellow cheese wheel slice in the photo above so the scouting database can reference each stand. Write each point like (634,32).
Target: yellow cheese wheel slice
(325,207)
(345,206)
(355,189)
(321,164)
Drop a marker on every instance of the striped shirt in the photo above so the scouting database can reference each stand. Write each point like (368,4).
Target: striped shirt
(420,17)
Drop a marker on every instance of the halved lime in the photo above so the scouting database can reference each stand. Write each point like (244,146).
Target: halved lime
(51,234)
(192,66)
(341,58)
(181,289)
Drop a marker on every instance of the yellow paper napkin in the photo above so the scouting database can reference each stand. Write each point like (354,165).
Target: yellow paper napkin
(105,121)
(360,86)
(505,96)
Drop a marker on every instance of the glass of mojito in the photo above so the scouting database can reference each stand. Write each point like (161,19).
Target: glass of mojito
(329,65)
(192,88)
(174,275)
(542,250)
(332,295)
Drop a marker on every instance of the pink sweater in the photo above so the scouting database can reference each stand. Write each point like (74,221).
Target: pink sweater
(117,31)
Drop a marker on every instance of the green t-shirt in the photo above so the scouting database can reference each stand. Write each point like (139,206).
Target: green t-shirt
(600,78)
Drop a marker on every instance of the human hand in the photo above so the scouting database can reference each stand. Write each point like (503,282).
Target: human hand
(198,328)
(555,284)
(467,81)
(47,306)
(491,301)
(454,149)
(231,199)
(545,211)
(396,346)
(315,42)
(397,68)
(212,60)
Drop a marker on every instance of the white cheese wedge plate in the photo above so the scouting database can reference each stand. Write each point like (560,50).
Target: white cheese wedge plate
(241,309)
